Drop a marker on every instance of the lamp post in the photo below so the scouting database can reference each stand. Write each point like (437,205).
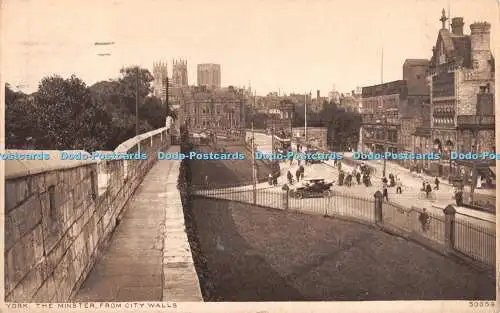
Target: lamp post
(449,146)
(254,165)
(386,135)
(137,107)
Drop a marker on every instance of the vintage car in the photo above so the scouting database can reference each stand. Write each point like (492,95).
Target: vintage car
(312,188)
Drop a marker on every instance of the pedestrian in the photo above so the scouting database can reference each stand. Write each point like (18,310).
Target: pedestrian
(459,196)
(289,176)
(341,178)
(424,219)
(206,180)
(301,168)
(428,190)
(270,179)
(358,177)
(275,180)
(436,181)
(385,194)
(399,186)
(349,180)
(297,174)
(423,185)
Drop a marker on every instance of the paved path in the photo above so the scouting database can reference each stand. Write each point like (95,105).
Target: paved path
(131,267)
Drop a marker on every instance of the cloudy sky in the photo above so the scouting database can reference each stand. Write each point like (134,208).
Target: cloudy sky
(289,45)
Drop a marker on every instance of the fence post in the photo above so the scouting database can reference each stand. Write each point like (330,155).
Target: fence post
(378,207)
(449,227)
(285,196)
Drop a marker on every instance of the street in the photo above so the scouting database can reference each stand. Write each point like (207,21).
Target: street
(411,186)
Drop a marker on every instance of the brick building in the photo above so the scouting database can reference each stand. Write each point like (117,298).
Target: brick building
(391,112)
(316,136)
(462,97)
(281,117)
(220,110)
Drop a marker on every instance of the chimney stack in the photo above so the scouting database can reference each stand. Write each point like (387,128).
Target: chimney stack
(480,45)
(317,94)
(457,26)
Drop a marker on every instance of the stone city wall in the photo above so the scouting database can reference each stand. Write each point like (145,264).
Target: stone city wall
(59,216)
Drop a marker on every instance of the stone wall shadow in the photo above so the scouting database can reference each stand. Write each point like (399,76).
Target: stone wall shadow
(237,273)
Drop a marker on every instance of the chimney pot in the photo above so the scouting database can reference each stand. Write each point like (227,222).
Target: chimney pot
(457,26)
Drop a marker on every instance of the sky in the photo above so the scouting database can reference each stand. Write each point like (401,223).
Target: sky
(287,45)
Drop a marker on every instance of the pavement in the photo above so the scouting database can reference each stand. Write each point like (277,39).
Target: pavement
(411,186)
(131,268)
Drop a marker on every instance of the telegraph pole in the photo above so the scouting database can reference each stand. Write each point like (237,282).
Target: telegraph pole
(305,119)
(385,144)
(254,165)
(137,107)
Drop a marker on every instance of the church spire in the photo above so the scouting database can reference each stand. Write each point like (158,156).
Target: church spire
(443,19)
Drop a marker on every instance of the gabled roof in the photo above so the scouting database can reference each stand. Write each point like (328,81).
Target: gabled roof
(457,47)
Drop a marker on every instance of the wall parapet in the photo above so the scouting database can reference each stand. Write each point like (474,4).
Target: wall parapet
(60,215)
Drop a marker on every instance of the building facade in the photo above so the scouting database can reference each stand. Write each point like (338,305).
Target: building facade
(462,96)
(209,75)
(221,111)
(316,136)
(380,116)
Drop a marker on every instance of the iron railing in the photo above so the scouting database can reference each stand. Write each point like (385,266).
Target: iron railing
(474,239)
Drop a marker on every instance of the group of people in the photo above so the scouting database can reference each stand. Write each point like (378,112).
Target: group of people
(299,173)
(427,188)
(393,181)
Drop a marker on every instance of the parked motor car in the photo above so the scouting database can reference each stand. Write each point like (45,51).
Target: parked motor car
(312,188)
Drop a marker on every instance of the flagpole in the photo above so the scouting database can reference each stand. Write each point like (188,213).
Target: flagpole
(305,119)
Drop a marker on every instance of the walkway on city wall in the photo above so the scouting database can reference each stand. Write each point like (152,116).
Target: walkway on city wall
(131,266)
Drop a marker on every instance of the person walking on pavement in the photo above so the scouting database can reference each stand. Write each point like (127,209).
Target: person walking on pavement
(385,195)
(358,177)
(297,174)
(436,181)
(270,179)
(428,190)
(424,219)
(459,196)
(289,176)
(399,186)
(301,169)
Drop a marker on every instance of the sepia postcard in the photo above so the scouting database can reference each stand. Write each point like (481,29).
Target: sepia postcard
(249,156)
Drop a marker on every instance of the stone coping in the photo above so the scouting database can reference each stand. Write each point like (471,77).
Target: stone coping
(128,144)
(20,168)
(181,281)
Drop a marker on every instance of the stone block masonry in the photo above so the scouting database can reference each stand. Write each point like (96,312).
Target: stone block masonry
(57,223)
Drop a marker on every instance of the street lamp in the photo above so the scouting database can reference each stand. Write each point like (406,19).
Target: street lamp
(449,146)
(386,138)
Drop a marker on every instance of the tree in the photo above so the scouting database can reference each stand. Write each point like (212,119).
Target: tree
(20,120)
(68,116)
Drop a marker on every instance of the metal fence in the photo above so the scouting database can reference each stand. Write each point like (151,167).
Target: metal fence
(408,220)
(474,239)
